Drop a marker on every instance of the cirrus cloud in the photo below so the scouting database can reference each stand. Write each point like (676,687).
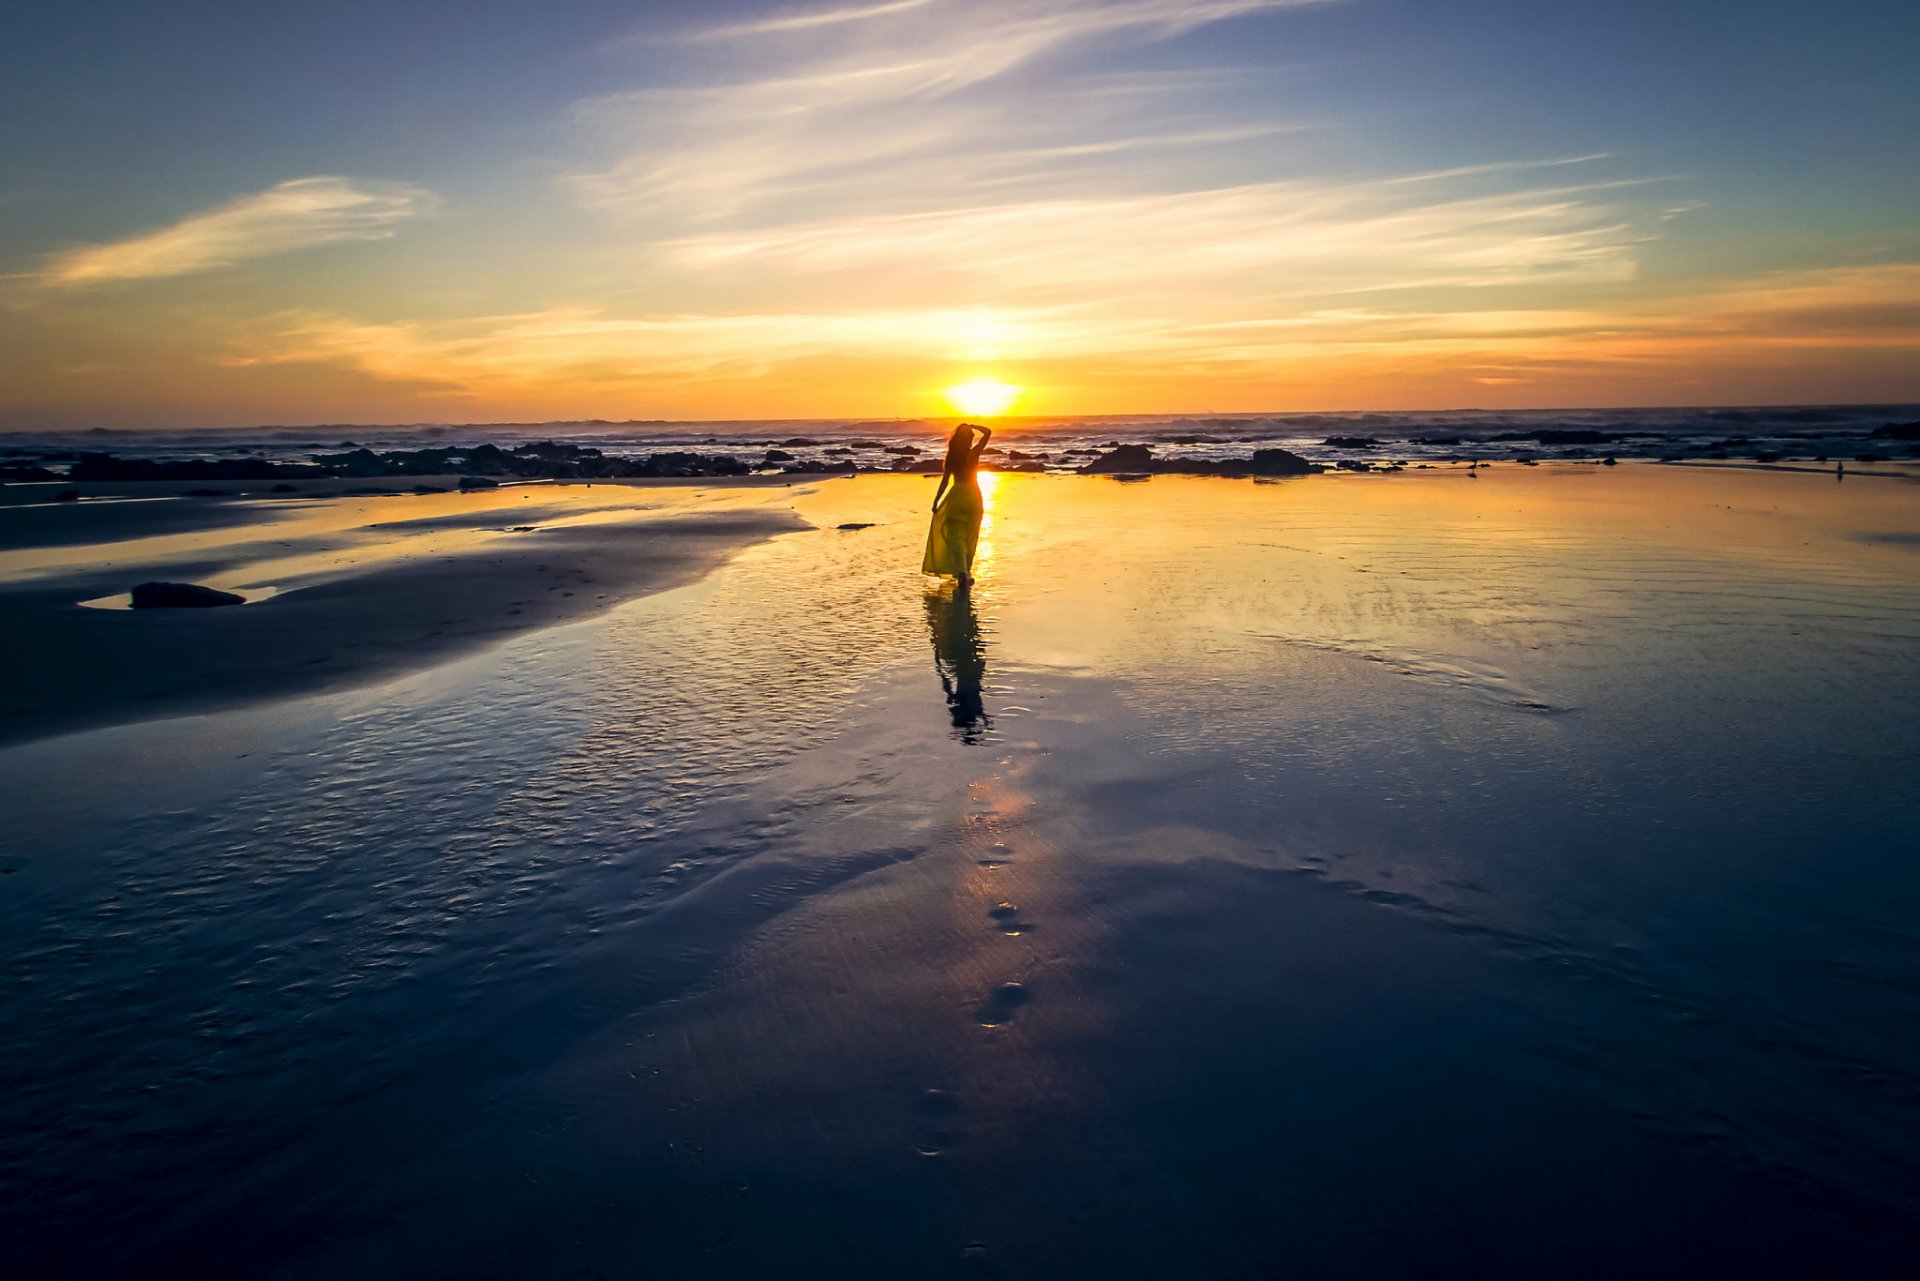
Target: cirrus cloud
(296,214)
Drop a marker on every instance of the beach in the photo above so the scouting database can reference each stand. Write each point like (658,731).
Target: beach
(1500,872)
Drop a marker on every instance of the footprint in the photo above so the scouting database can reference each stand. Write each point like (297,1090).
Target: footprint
(999,854)
(937,1111)
(1002,1003)
(1007,917)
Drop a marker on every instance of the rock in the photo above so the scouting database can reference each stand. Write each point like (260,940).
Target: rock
(902,449)
(1898,431)
(479,482)
(1122,458)
(1280,462)
(1609,461)
(158,595)
(1351,442)
(799,442)
(856,524)
(778,456)
(429,489)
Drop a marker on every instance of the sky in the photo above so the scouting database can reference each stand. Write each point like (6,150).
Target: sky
(234,214)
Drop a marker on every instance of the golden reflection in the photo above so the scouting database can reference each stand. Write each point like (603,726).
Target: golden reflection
(983,550)
(960,658)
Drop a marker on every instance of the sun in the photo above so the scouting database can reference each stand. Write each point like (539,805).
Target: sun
(982,397)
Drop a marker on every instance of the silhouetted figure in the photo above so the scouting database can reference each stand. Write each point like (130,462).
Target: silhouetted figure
(960,656)
(955,531)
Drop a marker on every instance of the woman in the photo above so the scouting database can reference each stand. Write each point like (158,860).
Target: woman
(956,522)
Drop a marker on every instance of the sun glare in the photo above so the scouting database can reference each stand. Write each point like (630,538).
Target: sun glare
(982,397)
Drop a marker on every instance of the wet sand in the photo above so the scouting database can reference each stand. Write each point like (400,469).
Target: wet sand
(1352,876)
(360,587)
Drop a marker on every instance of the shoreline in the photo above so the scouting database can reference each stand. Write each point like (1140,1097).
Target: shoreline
(369,588)
(356,581)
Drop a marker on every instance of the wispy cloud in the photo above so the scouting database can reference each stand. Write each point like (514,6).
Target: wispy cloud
(1778,322)
(1261,243)
(897,104)
(292,215)
(805,20)
(583,345)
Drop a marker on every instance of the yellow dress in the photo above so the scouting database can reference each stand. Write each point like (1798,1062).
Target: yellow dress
(955,531)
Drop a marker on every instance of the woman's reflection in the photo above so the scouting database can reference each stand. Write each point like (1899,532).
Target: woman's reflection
(960,656)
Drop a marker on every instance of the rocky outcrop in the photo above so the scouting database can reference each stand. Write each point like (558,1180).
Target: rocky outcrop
(1138,460)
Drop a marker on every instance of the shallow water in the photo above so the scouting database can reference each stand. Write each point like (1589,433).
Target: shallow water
(1355,876)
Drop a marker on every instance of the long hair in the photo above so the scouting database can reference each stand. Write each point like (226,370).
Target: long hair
(959,448)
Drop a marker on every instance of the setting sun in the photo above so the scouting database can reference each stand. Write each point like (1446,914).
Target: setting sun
(982,397)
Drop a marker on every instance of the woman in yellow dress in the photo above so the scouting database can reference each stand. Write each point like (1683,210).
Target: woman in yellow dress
(956,521)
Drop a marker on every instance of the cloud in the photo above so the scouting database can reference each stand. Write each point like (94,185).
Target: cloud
(806,20)
(582,345)
(1262,242)
(1770,324)
(293,215)
(902,105)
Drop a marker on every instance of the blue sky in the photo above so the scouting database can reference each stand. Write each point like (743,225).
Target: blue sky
(222,213)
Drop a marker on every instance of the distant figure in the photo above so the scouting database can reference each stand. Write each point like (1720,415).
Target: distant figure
(960,656)
(956,522)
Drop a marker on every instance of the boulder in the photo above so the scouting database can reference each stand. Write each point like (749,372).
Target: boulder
(1351,442)
(478,482)
(158,595)
(1121,458)
(1279,462)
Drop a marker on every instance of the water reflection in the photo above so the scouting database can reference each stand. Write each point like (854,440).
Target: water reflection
(960,656)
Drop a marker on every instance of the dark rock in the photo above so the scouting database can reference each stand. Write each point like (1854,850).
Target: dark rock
(1280,462)
(902,449)
(429,489)
(778,456)
(1351,442)
(554,451)
(800,442)
(158,595)
(94,466)
(1122,458)
(1609,461)
(479,482)
(856,524)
